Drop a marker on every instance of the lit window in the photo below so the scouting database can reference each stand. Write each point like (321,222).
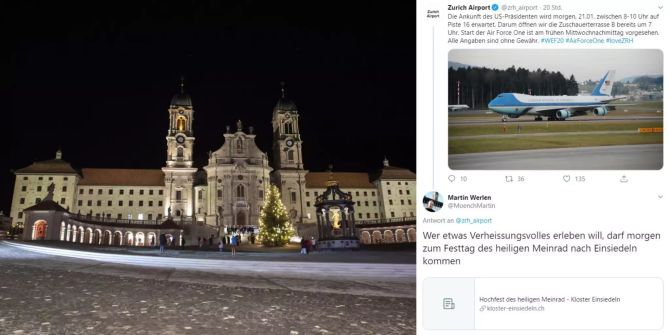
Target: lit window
(181,123)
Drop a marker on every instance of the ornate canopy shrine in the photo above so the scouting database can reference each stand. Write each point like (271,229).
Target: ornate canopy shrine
(335,219)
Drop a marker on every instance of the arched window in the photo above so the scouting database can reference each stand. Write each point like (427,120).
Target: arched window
(180,152)
(240,146)
(290,155)
(240,191)
(62,231)
(181,123)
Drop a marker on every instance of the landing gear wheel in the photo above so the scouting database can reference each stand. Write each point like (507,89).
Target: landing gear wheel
(538,118)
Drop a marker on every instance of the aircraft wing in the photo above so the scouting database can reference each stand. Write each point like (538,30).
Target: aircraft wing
(575,111)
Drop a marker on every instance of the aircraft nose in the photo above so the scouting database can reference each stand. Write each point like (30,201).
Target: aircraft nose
(493,102)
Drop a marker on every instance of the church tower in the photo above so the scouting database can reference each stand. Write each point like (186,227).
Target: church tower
(289,174)
(179,171)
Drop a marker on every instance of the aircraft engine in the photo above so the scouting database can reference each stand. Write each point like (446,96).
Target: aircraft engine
(600,111)
(563,114)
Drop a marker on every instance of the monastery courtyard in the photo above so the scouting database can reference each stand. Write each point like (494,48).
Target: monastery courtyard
(57,288)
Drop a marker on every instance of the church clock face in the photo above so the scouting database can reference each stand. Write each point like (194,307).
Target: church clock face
(290,142)
(180,139)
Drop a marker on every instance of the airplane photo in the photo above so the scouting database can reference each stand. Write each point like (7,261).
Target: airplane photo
(556,108)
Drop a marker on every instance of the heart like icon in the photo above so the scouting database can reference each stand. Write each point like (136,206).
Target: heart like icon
(566,178)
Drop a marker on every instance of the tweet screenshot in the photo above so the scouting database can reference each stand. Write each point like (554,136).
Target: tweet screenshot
(542,184)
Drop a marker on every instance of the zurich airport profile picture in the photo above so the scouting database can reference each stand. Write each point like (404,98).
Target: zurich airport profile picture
(433,201)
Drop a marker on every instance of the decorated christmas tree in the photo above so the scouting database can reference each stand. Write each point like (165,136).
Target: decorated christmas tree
(275,227)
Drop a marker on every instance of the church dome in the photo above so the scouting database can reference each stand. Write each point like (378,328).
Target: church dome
(285,105)
(181,99)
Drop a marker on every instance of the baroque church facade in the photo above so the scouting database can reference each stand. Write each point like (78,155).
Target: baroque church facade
(227,192)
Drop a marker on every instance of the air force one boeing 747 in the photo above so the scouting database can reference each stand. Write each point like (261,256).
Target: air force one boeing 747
(557,107)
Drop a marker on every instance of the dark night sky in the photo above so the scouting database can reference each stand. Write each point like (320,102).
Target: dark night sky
(96,78)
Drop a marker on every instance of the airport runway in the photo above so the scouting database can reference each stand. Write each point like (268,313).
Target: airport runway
(616,157)
(495,121)
(557,133)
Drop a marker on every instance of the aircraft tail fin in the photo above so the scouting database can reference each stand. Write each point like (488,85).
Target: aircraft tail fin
(604,86)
